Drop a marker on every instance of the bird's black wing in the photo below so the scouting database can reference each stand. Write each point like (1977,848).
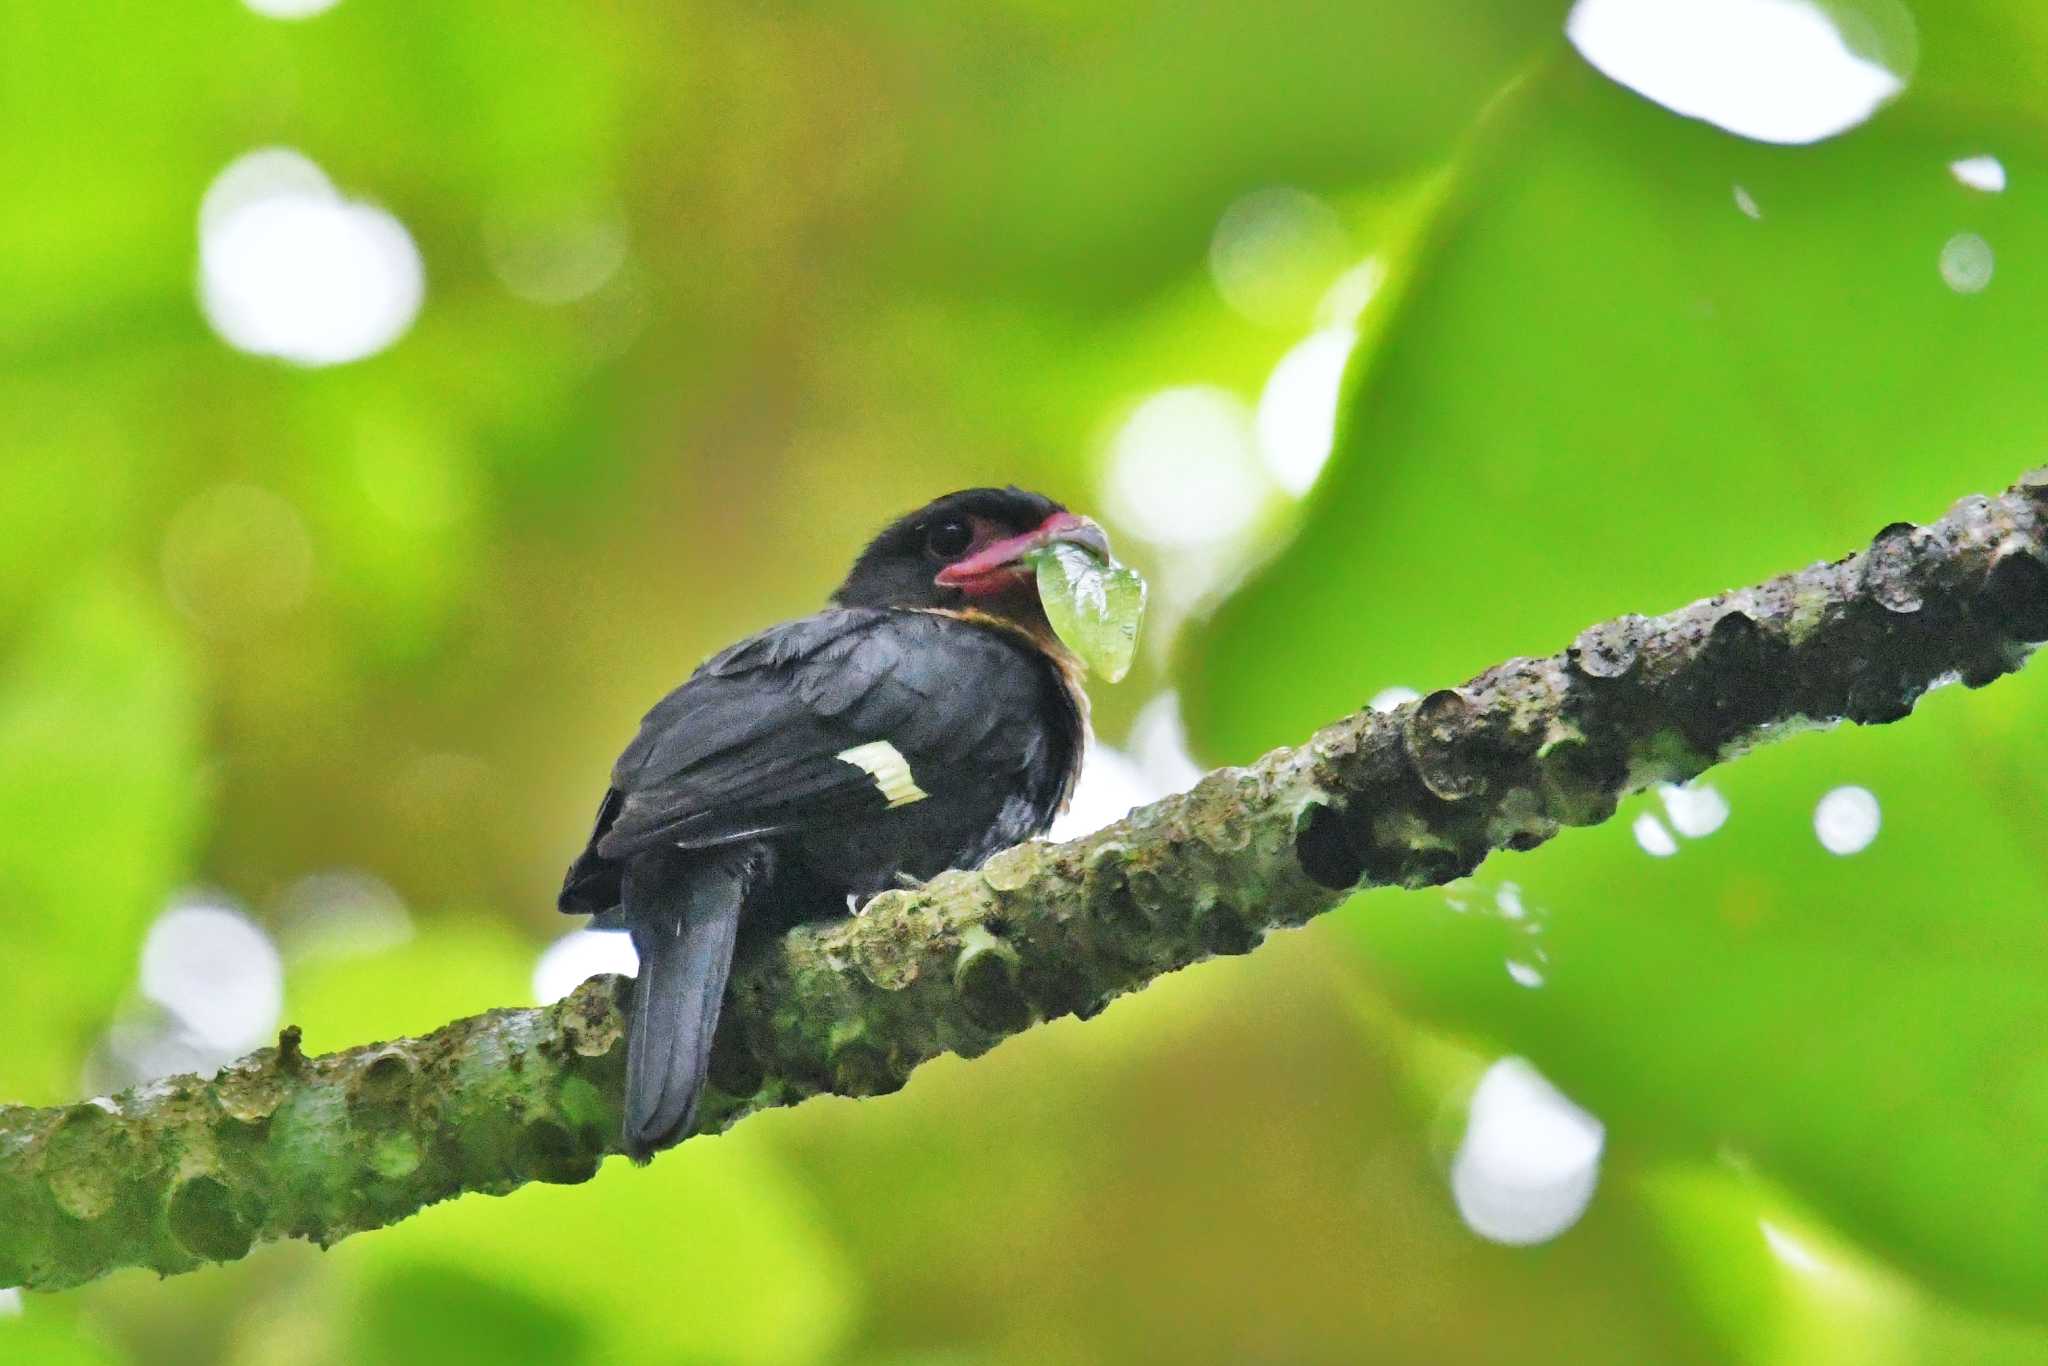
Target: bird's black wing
(835,716)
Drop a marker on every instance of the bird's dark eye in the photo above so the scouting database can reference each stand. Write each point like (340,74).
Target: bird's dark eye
(948,538)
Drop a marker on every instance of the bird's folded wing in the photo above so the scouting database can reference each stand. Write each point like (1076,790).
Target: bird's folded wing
(842,714)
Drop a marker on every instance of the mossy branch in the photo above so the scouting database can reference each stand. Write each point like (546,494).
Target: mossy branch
(185,1171)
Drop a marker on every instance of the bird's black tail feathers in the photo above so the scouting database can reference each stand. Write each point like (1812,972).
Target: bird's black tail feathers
(684,917)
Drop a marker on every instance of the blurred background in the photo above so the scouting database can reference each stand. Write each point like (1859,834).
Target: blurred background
(400,398)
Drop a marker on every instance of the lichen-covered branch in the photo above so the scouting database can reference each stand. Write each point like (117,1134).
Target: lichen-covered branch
(281,1145)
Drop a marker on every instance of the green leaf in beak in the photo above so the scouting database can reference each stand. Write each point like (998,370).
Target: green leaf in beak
(1094,606)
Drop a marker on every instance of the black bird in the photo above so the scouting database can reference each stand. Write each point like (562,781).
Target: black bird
(926,719)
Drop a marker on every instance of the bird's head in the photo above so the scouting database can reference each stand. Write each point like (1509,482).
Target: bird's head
(967,551)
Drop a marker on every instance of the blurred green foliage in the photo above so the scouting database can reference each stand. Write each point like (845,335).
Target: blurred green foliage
(393,618)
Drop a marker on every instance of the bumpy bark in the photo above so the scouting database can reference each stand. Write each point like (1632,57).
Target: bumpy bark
(185,1171)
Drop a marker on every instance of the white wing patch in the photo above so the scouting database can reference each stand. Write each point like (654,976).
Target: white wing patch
(890,770)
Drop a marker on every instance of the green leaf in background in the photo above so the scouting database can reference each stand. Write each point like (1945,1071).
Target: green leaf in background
(1290,1129)
(101,797)
(746,1275)
(456,965)
(46,1338)
(1776,1285)
(1647,353)
(1095,606)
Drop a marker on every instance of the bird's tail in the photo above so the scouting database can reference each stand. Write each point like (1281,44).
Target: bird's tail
(684,918)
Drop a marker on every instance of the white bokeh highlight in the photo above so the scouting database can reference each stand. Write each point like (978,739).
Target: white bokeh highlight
(1351,293)
(289,268)
(341,913)
(1159,743)
(1296,421)
(1791,1252)
(1386,699)
(148,1044)
(290,9)
(1695,810)
(1650,833)
(1530,1159)
(1153,763)
(1772,70)
(216,972)
(578,956)
(1847,819)
(557,259)
(1986,173)
(1111,784)
(1273,253)
(1184,469)
(1967,263)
